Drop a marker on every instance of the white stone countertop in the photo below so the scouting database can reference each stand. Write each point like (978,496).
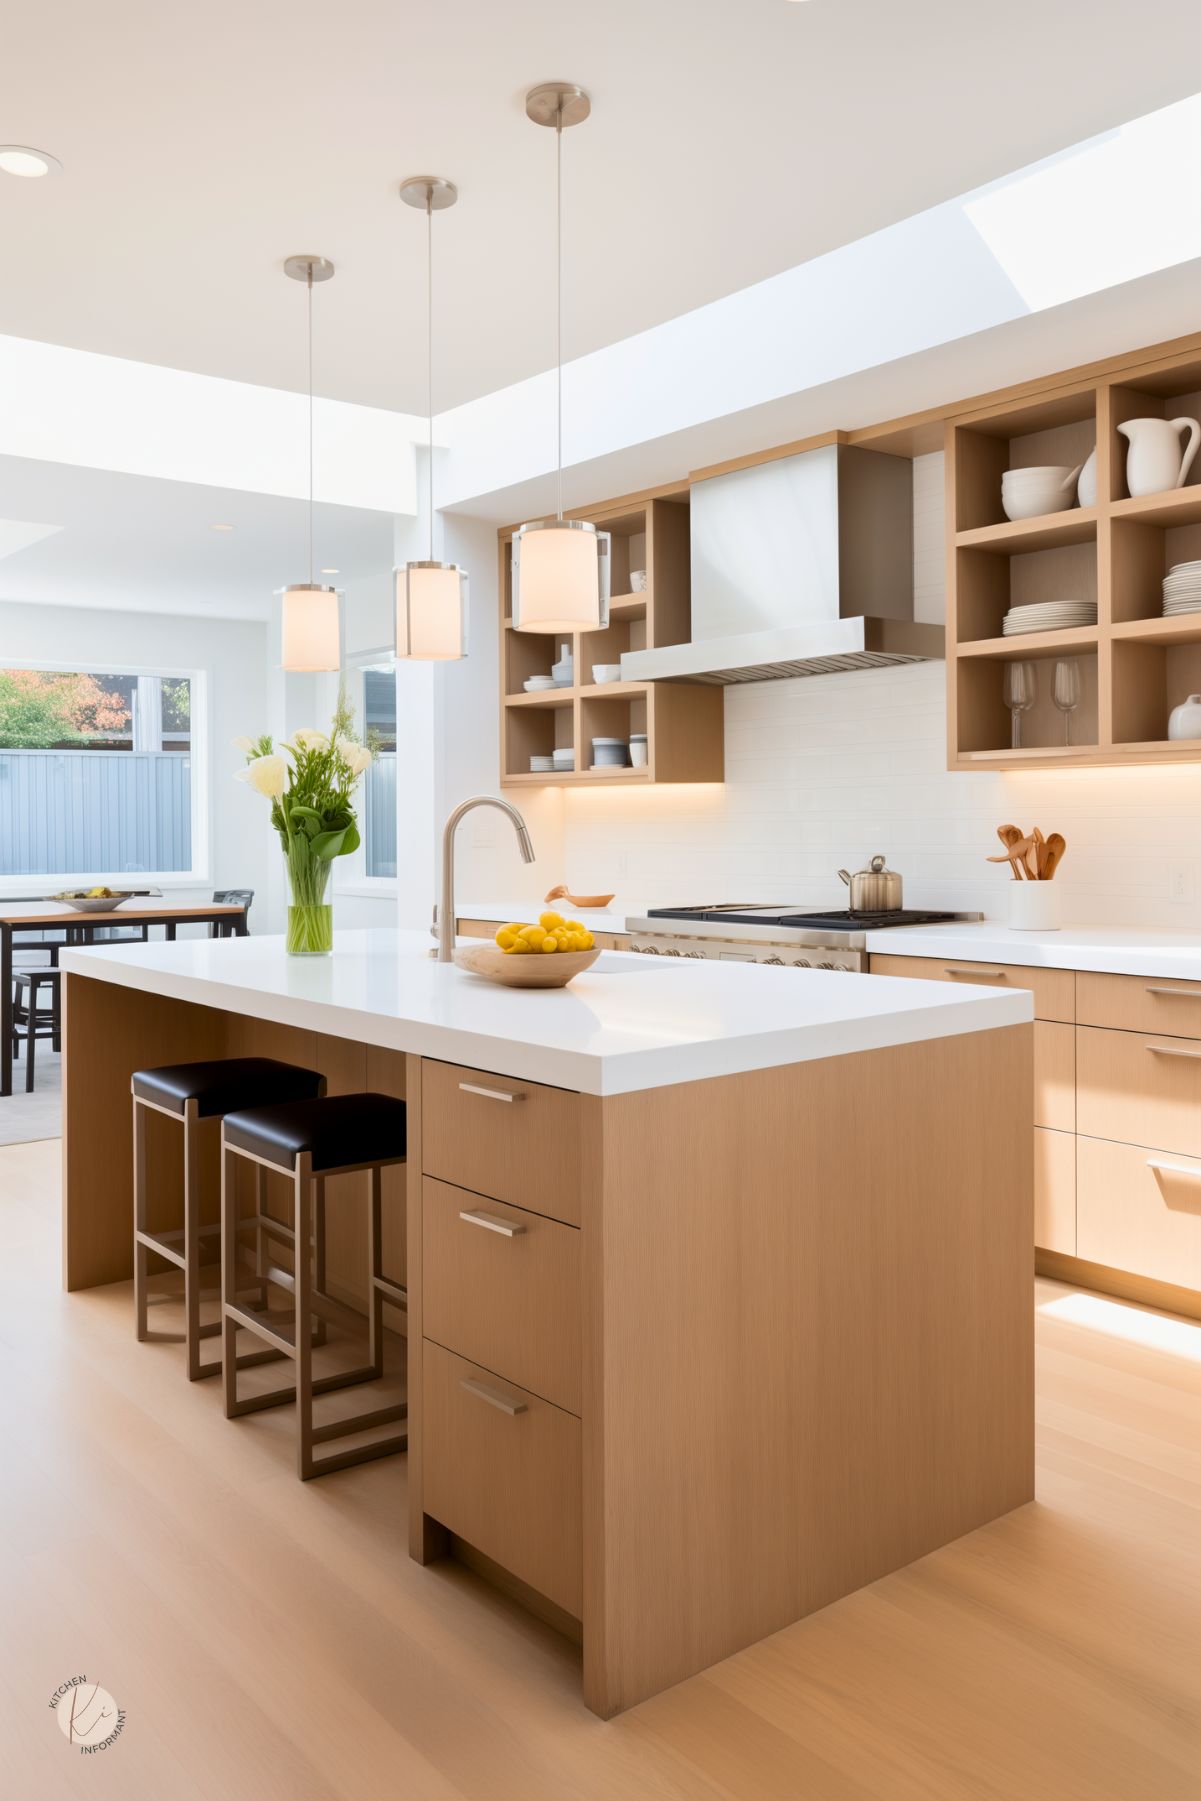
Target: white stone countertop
(627,1023)
(1113,950)
(598,919)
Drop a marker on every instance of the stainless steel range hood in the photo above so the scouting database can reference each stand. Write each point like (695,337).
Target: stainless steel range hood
(802,566)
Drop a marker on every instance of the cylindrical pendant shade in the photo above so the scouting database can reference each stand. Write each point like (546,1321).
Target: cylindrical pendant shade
(311,634)
(431,612)
(560,577)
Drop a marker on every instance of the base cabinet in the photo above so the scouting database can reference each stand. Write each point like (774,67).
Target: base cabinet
(1140,1210)
(1055,1191)
(1117,1059)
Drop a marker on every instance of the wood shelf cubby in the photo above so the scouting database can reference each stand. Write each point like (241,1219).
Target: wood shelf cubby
(683,722)
(1135,664)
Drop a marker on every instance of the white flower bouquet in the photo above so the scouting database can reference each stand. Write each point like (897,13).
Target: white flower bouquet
(309,781)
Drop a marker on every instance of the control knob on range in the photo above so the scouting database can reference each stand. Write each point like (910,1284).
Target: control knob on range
(801,963)
(778,961)
(826,966)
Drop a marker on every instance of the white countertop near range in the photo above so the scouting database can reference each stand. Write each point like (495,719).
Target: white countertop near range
(598,919)
(1109,950)
(627,1023)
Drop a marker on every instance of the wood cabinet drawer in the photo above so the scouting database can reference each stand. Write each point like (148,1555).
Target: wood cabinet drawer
(1138,1089)
(1139,1004)
(1055,1191)
(1054,1075)
(1139,1210)
(502,1287)
(502,1469)
(516,1141)
(1054,990)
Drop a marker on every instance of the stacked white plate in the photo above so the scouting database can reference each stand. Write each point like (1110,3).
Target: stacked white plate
(1049,616)
(1182,589)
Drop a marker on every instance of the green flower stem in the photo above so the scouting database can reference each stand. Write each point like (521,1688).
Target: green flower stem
(310,919)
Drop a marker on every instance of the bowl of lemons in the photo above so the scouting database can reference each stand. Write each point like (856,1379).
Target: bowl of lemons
(547,954)
(94,900)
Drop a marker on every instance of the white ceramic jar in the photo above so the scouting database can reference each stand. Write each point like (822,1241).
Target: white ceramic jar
(1184,721)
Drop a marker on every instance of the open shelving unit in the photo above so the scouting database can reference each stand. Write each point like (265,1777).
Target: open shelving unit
(1135,665)
(683,722)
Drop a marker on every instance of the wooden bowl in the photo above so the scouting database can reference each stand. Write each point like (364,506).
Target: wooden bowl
(86,903)
(582,902)
(532,969)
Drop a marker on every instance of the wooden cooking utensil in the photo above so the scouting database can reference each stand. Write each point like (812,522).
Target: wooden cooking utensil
(1034,856)
(1009,836)
(1056,845)
(578,900)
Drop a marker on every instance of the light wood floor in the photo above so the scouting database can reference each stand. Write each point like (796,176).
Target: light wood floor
(269,1639)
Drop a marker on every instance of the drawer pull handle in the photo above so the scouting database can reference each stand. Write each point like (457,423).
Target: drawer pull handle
(1184,994)
(493,1396)
(1173,1169)
(490,1094)
(976,974)
(1171,1050)
(491,1222)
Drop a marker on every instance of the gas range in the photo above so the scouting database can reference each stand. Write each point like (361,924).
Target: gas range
(783,936)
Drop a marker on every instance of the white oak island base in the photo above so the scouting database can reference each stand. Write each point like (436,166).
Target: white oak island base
(807,1352)
(779,1342)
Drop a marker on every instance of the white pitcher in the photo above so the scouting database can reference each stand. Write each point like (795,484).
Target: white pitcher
(1154,461)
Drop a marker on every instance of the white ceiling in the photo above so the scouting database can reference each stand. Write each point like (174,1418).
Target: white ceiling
(130,543)
(731,139)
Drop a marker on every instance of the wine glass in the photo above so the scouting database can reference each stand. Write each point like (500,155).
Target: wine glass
(1065,692)
(1020,692)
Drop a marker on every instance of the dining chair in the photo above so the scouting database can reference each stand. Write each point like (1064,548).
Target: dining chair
(231,897)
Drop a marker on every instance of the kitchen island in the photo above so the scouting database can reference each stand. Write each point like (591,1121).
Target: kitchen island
(751,1325)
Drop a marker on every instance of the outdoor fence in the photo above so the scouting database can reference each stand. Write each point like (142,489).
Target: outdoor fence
(112,811)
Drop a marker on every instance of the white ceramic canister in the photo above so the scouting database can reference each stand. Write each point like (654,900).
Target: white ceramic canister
(1184,721)
(1033,907)
(638,750)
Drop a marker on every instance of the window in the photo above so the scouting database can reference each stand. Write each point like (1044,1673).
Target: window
(379,784)
(96,773)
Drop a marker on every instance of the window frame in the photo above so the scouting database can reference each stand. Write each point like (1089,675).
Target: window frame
(199,875)
(354,880)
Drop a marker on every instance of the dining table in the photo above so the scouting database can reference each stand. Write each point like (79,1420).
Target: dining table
(22,922)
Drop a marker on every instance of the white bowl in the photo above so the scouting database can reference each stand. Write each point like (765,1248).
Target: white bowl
(537,684)
(637,581)
(606,672)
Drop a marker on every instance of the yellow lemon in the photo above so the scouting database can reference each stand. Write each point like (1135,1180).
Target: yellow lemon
(506,938)
(517,948)
(532,935)
(573,925)
(548,921)
(549,943)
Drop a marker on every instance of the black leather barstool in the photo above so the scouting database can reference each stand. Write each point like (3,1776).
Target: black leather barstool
(194,1093)
(311,1141)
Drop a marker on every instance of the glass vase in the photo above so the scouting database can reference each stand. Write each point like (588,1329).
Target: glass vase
(310,918)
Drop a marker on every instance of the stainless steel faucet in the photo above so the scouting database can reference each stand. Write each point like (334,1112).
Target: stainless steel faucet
(446,906)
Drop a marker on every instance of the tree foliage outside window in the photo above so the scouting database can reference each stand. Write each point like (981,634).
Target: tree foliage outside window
(43,709)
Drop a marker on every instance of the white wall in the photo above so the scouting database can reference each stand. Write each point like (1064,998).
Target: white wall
(233,656)
(823,772)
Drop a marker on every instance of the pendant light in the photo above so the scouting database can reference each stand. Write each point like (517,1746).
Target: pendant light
(311,634)
(431,597)
(560,566)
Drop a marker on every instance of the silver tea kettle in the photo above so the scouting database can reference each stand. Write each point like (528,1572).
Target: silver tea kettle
(874,889)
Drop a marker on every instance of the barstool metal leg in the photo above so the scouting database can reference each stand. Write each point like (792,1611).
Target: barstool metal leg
(303,1219)
(375,1228)
(191,1237)
(31,1033)
(229,1281)
(141,1256)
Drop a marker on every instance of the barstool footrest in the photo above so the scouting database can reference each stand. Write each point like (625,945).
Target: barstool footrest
(344,1460)
(395,1293)
(282,1337)
(323,1385)
(360,1422)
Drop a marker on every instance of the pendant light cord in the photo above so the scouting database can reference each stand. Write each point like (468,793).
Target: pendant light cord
(559,302)
(429,351)
(310,286)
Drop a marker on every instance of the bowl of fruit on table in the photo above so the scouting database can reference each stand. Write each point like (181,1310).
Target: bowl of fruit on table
(546,955)
(93,900)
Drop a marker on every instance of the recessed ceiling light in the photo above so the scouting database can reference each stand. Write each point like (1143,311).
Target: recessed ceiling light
(19,159)
(223,528)
(331,572)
